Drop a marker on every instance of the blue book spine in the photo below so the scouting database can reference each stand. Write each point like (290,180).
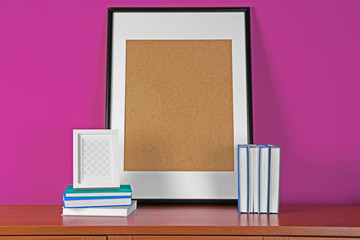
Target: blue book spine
(268,177)
(90,198)
(238,169)
(248,176)
(99,206)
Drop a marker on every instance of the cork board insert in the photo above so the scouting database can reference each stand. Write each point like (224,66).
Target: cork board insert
(179,106)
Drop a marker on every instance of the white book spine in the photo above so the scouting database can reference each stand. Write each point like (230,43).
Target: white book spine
(256,176)
(251,181)
(243,176)
(264,178)
(103,211)
(274,179)
(253,178)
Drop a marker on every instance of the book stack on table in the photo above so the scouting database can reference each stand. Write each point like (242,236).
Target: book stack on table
(98,202)
(258,178)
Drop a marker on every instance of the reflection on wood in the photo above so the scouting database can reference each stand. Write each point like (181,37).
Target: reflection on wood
(259,219)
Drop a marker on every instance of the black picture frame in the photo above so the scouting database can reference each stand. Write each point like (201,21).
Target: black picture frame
(246,11)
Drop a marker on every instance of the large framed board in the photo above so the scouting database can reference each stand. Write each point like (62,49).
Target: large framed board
(179,92)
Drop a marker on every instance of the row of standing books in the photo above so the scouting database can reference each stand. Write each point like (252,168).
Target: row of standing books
(258,178)
(98,202)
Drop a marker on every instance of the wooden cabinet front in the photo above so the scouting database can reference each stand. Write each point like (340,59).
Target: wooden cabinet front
(307,238)
(183,238)
(53,238)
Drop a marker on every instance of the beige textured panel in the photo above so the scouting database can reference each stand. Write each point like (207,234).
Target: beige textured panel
(179,109)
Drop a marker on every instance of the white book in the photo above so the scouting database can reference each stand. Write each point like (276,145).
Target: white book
(264,178)
(96,202)
(243,179)
(274,179)
(122,211)
(254,178)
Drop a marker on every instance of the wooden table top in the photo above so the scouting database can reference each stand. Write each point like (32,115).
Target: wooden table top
(184,220)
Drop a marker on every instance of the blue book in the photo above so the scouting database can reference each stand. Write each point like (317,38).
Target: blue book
(73,202)
(243,178)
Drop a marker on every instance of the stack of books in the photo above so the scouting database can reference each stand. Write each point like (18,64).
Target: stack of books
(258,178)
(99,202)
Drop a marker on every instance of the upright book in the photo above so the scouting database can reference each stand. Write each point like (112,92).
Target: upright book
(254,178)
(274,179)
(264,152)
(243,178)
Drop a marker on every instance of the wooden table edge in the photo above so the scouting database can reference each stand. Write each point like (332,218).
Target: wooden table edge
(296,231)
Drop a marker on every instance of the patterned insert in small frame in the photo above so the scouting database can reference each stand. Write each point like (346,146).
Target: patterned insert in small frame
(96,158)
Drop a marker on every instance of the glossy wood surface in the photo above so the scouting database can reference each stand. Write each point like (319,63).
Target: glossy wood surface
(340,221)
(54,238)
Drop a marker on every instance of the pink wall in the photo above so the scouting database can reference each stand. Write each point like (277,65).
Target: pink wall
(306,79)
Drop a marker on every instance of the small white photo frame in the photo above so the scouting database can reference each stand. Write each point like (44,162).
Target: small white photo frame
(95,159)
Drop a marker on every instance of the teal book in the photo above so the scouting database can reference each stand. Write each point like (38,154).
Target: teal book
(123,191)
